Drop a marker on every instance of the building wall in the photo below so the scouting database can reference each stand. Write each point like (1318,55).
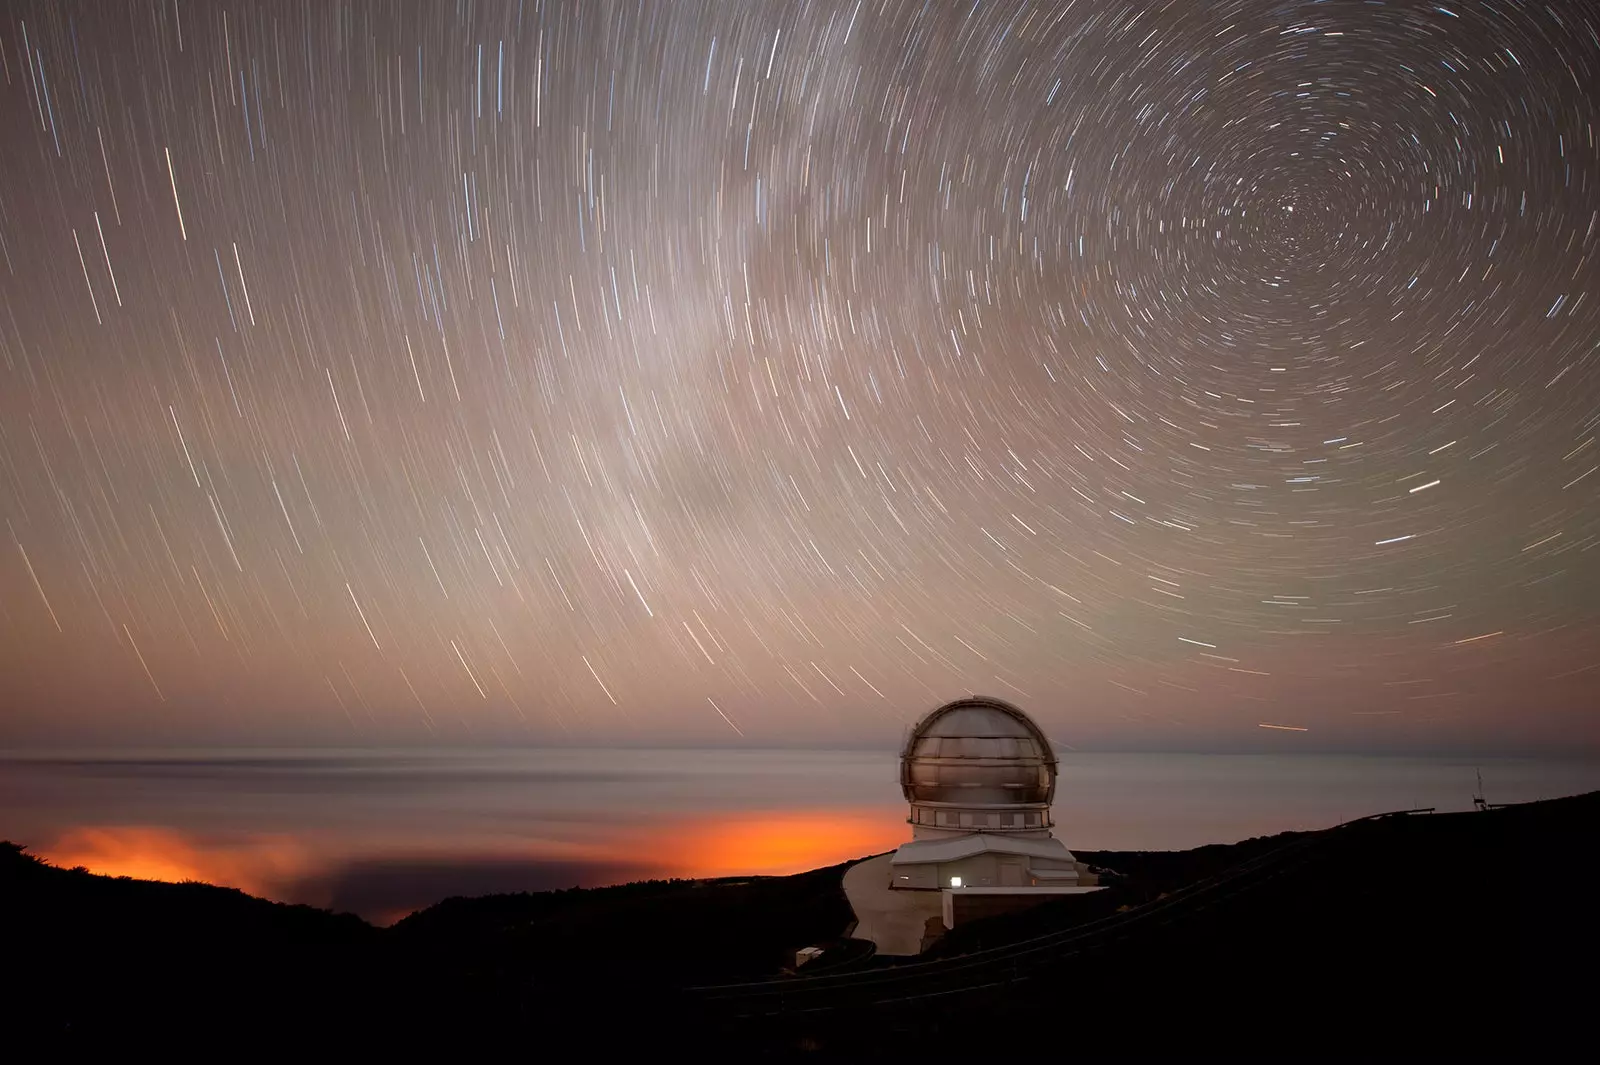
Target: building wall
(984,870)
(959,907)
(980,870)
(915,877)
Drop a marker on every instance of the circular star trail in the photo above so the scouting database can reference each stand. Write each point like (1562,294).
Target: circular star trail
(689,372)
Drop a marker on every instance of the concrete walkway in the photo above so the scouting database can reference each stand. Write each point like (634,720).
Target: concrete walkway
(894,920)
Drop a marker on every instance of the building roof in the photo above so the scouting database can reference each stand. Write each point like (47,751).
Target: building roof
(924,851)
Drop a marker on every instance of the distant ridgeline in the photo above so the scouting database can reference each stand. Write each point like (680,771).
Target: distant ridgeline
(1429,935)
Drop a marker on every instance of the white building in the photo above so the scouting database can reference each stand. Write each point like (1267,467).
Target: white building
(980,777)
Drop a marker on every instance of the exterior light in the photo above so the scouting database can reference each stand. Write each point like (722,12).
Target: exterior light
(955,881)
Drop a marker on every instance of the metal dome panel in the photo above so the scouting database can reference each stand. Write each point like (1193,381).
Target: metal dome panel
(978,752)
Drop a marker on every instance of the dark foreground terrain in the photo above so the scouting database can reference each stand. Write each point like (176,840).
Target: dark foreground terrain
(1464,936)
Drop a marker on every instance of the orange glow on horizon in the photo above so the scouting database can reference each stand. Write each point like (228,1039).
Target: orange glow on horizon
(147,852)
(778,843)
(695,845)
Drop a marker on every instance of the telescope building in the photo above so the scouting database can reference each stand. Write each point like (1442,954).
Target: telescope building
(980,777)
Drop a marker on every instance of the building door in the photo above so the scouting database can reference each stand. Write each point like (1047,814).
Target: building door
(1010,875)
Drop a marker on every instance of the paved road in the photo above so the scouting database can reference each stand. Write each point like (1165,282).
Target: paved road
(894,920)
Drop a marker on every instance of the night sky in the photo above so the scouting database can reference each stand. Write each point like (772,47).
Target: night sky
(769,372)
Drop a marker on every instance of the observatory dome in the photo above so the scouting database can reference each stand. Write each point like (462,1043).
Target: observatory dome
(978,763)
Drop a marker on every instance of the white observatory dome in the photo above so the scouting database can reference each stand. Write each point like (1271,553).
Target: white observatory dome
(978,764)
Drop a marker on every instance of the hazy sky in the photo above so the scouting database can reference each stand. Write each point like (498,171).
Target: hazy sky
(770,372)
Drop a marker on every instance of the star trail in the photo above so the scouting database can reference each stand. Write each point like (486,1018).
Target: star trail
(1191,373)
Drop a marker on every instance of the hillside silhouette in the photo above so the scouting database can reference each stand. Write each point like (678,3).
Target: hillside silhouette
(1468,935)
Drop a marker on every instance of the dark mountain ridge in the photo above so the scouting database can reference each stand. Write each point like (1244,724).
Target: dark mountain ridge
(1468,934)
